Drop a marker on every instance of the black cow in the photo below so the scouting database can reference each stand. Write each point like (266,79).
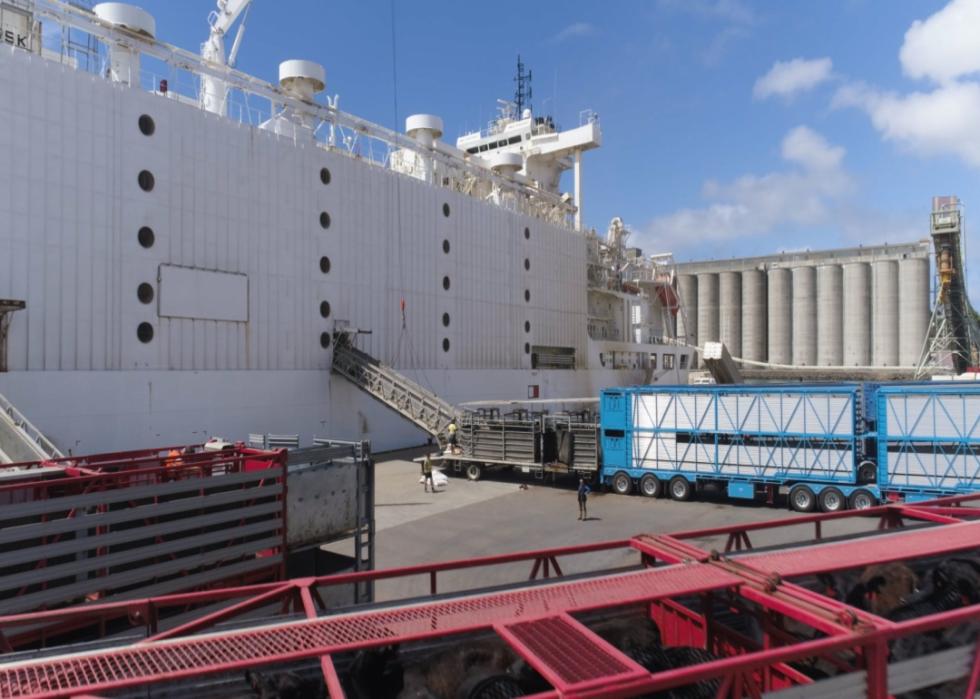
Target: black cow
(284,685)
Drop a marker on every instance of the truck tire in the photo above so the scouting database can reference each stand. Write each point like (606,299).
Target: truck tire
(832,500)
(680,488)
(622,484)
(802,499)
(867,472)
(862,499)
(474,471)
(651,486)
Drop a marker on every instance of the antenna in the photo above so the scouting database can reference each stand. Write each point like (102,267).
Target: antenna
(522,93)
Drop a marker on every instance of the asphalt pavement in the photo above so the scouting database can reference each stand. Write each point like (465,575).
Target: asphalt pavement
(497,515)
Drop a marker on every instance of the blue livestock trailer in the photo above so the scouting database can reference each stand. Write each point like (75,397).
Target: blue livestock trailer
(827,446)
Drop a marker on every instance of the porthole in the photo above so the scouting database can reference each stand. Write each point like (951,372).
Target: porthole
(445,283)
(144,292)
(527,348)
(527,264)
(147,127)
(144,331)
(324,220)
(445,246)
(324,175)
(445,320)
(527,326)
(324,340)
(445,210)
(325,264)
(146,237)
(146,180)
(325,309)
(527,233)
(527,295)
(445,344)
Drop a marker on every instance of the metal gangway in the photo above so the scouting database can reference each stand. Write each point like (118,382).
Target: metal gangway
(20,440)
(423,407)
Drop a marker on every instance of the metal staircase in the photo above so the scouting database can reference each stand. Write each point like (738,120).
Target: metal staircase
(20,440)
(424,408)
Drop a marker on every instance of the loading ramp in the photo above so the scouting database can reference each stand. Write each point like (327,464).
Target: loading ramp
(410,400)
(20,440)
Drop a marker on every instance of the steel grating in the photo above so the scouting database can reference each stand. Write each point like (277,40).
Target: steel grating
(561,648)
(169,660)
(931,541)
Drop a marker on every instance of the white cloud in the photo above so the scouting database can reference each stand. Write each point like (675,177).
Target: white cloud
(735,16)
(944,46)
(945,121)
(788,78)
(573,30)
(808,148)
(808,194)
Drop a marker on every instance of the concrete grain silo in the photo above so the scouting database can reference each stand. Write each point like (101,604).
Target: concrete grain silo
(780,315)
(830,321)
(804,316)
(857,314)
(754,315)
(913,299)
(884,313)
(851,307)
(707,308)
(730,311)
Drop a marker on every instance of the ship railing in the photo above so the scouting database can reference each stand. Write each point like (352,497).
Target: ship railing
(251,99)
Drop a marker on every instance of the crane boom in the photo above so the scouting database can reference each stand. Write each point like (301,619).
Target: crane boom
(214,91)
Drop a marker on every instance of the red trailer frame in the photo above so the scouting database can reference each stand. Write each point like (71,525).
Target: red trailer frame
(112,526)
(536,619)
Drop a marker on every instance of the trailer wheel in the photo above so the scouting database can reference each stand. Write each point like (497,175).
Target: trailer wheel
(867,472)
(651,486)
(802,499)
(862,499)
(832,500)
(622,484)
(474,471)
(680,488)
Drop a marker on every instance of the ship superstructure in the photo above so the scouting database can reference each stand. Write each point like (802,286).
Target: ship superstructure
(188,240)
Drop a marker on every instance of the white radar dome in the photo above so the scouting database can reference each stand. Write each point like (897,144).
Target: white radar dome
(418,123)
(505,163)
(129,17)
(302,78)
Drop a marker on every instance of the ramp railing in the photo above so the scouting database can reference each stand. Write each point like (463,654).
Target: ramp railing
(413,402)
(19,439)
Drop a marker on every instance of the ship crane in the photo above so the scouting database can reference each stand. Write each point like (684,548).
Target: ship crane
(214,91)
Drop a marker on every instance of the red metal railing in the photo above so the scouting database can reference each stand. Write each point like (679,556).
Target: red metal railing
(526,617)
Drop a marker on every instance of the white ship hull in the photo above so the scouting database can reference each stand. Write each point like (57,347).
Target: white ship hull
(90,411)
(263,246)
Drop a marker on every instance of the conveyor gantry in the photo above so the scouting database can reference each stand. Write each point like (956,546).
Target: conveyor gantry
(413,402)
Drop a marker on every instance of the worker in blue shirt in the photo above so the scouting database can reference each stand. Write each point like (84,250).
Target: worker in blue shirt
(583,496)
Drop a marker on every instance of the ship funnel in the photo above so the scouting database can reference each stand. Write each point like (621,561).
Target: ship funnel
(506,163)
(302,79)
(424,128)
(124,61)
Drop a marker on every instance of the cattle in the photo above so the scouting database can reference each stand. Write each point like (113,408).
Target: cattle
(376,673)
(284,685)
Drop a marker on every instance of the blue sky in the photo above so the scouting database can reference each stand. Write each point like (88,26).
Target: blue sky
(730,127)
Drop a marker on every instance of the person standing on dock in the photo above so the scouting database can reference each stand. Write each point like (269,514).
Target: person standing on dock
(427,474)
(583,496)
